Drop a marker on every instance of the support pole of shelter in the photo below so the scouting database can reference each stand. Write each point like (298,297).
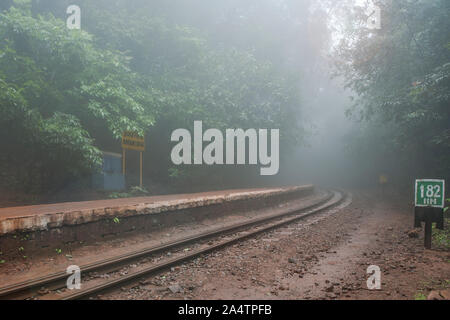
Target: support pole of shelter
(140,184)
(123,162)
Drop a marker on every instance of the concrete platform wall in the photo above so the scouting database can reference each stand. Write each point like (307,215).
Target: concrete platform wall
(52,230)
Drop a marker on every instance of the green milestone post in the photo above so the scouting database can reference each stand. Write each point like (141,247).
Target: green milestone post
(429,205)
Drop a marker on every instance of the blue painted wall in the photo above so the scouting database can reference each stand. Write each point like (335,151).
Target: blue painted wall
(111,177)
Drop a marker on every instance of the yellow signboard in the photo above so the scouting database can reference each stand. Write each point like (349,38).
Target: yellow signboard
(132,141)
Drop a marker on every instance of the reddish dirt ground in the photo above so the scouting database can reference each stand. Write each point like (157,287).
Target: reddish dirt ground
(323,257)
(45,262)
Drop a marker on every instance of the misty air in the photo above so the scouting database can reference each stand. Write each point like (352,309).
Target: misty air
(205,150)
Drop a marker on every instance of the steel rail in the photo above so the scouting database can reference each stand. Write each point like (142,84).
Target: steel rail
(57,280)
(178,260)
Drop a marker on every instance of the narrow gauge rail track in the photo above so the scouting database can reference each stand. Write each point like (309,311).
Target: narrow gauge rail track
(241,231)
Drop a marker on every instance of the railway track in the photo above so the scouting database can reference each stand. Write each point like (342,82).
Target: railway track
(127,268)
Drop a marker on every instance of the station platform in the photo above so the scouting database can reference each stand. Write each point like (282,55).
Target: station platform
(45,217)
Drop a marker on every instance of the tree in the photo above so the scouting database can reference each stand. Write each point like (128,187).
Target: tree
(401,76)
(129,69)
(58,88)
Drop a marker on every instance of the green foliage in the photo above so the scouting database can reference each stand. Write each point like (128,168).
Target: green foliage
(135,191)
(401,74)
(441,238)
(66,94)
(420,296)
(56,87)
(191,81)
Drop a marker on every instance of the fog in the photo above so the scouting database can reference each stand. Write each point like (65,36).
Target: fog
(344,82)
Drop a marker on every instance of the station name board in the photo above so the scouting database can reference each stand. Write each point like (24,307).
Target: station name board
(133,141)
